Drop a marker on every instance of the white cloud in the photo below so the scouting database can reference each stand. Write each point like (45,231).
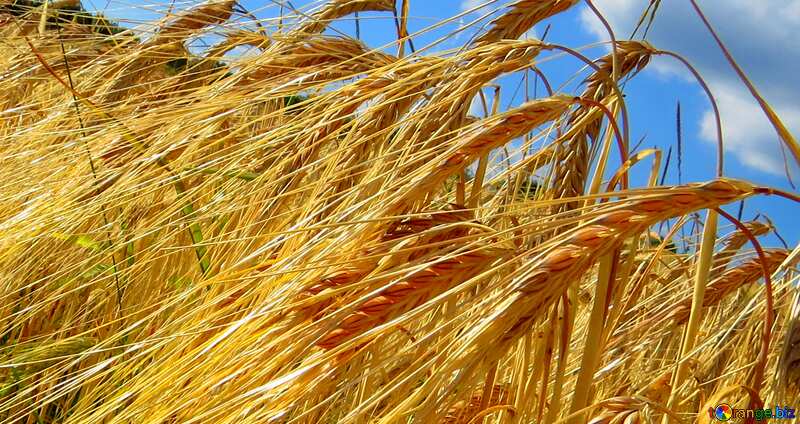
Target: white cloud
(617,12)
(471,4)
(791,11)
(761,35)
(746,132)
(622,15)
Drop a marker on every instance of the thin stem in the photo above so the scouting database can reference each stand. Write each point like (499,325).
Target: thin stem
(602,74)
(195,231)
(620,142)
(763,356)
(103,212)
(614,65)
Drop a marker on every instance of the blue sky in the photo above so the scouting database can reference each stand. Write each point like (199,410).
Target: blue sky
(762,36)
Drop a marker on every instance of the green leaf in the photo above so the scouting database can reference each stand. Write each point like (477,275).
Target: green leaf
(179,283)
(82,241)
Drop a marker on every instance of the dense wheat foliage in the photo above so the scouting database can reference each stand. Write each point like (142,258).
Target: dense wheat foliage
(320,231)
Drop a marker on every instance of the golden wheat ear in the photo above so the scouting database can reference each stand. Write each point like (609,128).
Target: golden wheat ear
(212,12)
(294,225)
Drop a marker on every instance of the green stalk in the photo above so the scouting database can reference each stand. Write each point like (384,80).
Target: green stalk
(195,231)
(243,175)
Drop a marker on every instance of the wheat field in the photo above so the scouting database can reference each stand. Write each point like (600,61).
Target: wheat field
(322,231)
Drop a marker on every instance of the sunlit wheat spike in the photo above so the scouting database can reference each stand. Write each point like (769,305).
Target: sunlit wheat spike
(336,57)
(521,16)
(449,104)
(212,12)
(336,9)
(550,273)
(486,135)
(632,57)
(397,231)
(620,411)
(408,294)
(442,273)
